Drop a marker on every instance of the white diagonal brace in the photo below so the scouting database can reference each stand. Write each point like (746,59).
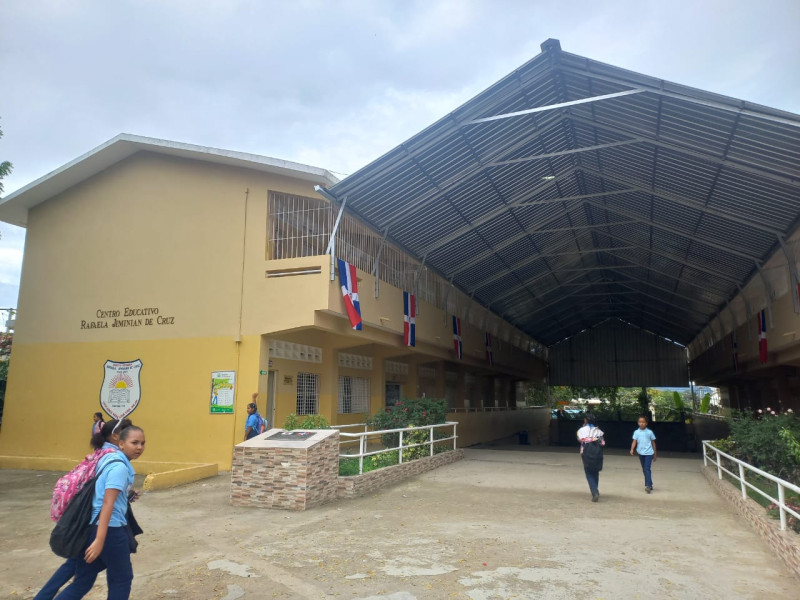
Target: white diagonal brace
(556,106)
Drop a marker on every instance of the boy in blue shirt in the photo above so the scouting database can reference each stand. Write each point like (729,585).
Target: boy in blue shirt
(644,442)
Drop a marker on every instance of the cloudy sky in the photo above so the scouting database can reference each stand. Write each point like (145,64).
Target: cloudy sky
(330,83)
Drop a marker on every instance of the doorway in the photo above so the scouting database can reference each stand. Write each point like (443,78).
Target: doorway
(270,413)
(393,391)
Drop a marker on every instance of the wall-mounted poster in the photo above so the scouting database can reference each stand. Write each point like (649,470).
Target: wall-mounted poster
(121,391)
(223,386)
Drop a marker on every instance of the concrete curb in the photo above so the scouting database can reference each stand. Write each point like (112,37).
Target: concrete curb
(786,544)
(358,485)
(169,479)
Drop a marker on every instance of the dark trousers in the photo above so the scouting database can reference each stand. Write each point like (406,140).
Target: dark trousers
(62,575)
(647,461)
(593,477)
(115,558)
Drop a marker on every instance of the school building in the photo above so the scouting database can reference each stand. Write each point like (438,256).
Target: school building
(197,261)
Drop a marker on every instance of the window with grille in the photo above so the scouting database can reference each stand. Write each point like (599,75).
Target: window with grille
(307,393)
(353,395)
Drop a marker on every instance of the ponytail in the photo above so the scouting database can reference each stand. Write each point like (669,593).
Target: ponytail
(108,429)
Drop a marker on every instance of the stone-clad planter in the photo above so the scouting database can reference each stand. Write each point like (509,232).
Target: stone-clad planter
(786,544)
(358,485)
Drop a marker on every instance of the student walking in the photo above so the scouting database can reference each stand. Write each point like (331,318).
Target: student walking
(104,441)
(592,442)
(644,442)
(109,546)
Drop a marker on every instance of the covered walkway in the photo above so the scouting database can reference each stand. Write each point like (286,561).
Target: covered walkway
(501,524)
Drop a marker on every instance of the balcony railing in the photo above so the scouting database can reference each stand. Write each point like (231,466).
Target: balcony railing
(299,226)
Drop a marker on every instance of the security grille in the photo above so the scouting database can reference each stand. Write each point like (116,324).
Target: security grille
(307,393)
(353,395)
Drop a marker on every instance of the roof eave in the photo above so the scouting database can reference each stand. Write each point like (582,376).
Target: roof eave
(14,207)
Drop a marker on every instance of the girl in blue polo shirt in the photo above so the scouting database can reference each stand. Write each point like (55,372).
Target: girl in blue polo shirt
(108,544)
(644,442)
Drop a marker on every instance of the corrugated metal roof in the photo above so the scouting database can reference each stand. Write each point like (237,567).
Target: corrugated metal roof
(655,203)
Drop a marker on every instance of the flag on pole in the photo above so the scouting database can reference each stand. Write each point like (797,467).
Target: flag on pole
(349,282)
(489,353)
(457,345)
(762,336)
(735,351)
(409,319)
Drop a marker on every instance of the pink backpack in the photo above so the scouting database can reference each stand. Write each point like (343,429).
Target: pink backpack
(72,483)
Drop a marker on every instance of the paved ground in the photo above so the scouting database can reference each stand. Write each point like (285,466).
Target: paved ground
(504,523)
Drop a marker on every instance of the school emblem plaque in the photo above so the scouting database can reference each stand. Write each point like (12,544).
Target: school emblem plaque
(120,392)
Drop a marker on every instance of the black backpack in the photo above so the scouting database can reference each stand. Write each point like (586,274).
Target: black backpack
(593,456)
(69,535)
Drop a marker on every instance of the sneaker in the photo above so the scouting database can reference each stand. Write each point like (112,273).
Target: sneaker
(595,497)
(648,489)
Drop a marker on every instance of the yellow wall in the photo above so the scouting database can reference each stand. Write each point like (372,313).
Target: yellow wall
(53,390)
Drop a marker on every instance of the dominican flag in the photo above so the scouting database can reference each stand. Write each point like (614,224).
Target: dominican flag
(735,352)
(349,282)
(457,345)
(489,353)
(762,336)
(409,319)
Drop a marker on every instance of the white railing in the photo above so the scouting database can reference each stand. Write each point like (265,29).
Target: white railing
(362,439)
(780,501)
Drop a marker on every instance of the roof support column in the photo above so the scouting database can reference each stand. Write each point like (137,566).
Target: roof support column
(376,268)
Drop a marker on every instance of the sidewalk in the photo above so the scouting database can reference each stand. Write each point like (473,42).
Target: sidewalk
(503,523)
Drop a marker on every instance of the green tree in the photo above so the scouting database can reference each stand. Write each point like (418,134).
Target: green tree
(5,168)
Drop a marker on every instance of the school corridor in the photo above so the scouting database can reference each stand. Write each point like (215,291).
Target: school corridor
(506,522)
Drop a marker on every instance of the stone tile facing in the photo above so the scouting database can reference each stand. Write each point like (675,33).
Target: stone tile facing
(301,478)
(786,544)
(287,478)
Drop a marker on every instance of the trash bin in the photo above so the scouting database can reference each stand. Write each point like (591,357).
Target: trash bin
(523,438)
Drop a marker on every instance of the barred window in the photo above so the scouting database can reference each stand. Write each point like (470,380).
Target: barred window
(307,393)
(353,395)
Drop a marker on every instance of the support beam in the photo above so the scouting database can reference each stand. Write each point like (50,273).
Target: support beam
(514,161)
(529,111)
(673,230)
(785,177)
(493,214)
(688,203)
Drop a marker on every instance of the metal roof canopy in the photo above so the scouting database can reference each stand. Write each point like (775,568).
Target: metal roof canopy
(572,191)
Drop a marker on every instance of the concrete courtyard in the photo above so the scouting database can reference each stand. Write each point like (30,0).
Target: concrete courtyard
(506,522)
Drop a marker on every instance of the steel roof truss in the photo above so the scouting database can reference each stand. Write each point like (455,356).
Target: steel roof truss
(790,178)
(700,206)
(709,103)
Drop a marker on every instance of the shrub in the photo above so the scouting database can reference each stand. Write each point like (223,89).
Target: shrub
(766,441)
(293,421)
(408,413)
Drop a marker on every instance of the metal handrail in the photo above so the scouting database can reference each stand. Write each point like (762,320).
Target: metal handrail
(362,441)
(783,485)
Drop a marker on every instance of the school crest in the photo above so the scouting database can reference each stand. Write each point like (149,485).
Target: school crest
(121,391)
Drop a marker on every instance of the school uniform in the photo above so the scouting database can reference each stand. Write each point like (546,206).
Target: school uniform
(116,554)
(586,435)
(644,447)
